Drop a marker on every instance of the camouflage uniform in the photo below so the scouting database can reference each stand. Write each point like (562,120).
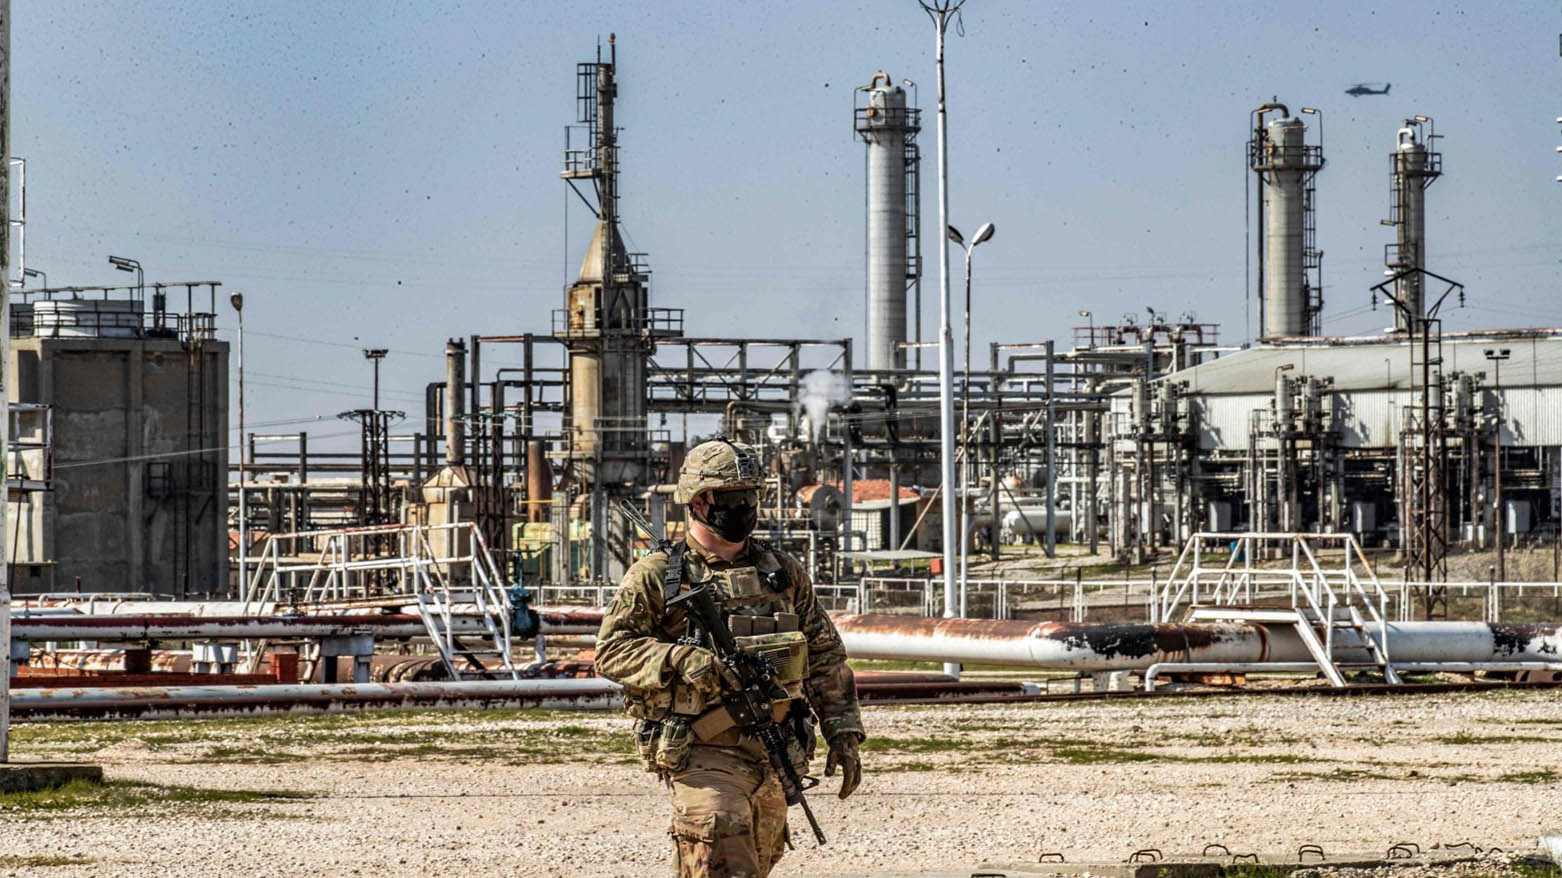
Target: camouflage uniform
(729,811)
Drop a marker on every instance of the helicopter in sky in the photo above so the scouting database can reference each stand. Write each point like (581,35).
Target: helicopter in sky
(1361,89)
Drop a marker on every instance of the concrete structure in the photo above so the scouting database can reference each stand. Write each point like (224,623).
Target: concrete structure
(137,501)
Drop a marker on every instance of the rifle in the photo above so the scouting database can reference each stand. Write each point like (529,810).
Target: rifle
(749,702)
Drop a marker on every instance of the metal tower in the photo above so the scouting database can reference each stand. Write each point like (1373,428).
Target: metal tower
(1290,266)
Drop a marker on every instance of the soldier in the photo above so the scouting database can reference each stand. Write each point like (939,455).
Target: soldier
(729,813)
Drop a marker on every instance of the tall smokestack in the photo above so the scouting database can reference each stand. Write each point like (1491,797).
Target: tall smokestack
(889,127)
(455,403)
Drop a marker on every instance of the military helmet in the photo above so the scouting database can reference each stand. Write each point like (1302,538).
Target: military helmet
(715,465)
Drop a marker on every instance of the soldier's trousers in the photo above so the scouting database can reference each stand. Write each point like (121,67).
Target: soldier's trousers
(729,815)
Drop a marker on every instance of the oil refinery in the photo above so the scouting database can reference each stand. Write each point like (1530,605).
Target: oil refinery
(1147,503)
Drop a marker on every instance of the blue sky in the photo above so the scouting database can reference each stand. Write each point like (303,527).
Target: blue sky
(388,170)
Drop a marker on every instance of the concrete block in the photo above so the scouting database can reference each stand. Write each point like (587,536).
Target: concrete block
(1551,843)
(26,777)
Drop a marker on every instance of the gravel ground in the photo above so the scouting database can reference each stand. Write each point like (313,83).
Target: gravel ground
(529,793)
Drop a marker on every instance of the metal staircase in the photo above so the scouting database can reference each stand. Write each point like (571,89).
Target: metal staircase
(1319,604)
(443,572)
(486,594)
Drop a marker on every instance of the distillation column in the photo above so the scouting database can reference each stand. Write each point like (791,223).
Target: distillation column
(889,129)
(1413,168)
(1285,164)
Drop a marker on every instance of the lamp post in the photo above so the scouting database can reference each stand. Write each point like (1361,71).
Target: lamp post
(1500,515)
(237,300)
(982,234)
(375,355)
(33,272)
(1091,317)
(940,11)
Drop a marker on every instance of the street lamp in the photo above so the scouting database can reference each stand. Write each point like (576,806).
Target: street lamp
(940,11)
(1499,518)
(375,355)
(982,234)
(158,306)
(124,264)
(1091,317)
(237,300)
(33,272)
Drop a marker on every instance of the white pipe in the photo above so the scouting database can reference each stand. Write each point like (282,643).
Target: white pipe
(1088,647)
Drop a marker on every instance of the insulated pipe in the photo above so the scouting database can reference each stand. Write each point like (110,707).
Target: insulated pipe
(173,627)
(160,702)
(1089,647)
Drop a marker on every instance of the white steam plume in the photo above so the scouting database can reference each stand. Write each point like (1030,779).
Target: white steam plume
(820,390)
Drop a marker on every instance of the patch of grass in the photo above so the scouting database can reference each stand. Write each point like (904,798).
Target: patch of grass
(130,795)
(1544,775)
(39,861)
(511,736)
(913,765)
(916,745)
(1257,870)
(1467,738)
(1340,774)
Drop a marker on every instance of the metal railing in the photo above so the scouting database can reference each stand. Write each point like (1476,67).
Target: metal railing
(367,566)
(647,321)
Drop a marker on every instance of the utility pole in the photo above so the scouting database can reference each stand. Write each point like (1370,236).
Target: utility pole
(237,300)
(940,11)
(5,380)
(1500,515)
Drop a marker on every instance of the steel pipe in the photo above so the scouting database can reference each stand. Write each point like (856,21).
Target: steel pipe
(168,702)
(1159,668)
(1088,647)
(64,627)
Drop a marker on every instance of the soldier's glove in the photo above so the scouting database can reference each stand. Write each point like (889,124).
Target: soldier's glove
(697,667)
(844,755)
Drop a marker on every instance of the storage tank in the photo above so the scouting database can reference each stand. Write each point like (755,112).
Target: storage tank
(888,127)
(87,318)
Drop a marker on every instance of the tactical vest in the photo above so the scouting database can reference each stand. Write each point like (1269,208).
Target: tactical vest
(761,616)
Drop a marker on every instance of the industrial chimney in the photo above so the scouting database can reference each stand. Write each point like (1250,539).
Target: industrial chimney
(889,127)
(1289,264)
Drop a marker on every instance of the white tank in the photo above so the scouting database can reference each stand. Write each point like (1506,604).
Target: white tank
(87,318)
(1031,521)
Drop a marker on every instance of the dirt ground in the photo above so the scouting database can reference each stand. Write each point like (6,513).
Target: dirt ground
(558,794)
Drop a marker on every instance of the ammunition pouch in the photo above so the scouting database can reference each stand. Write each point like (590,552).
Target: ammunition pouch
(654,705)
(647,733)
(672,747)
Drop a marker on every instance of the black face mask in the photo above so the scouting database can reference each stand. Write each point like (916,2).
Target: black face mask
(732,515)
